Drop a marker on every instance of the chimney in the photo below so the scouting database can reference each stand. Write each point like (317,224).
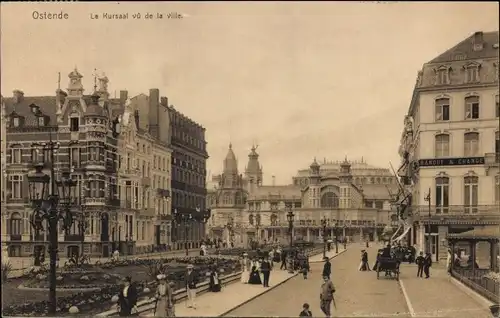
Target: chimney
(274,181)
(478,41)
(123,96)
(136,117)
(18,96)
(154,111)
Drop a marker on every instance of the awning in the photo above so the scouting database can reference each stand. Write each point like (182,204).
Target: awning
(480,233)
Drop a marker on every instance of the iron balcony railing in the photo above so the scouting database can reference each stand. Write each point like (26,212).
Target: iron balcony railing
(423,211)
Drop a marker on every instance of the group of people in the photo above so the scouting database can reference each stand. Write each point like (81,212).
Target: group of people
(252,270)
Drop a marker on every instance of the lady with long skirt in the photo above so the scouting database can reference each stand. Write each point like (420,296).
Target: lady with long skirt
(164,298)
(245,274)
(214,281)
(255,275)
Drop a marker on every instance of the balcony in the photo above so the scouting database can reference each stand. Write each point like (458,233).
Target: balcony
(146,181)
(456,213)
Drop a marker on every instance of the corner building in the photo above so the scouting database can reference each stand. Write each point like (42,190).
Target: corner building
(451,139)
(87,132)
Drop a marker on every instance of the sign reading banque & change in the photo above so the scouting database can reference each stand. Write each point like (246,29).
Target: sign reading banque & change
(463,161)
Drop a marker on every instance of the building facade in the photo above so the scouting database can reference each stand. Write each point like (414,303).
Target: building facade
(87,134)
(188,164)
(451,143)
(243,209)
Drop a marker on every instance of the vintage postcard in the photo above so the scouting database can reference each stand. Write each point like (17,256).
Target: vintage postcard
(250,159)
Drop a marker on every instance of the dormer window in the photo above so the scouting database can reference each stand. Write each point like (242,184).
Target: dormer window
(74,124)
(443,75)
(41,121)
(15,121)
(472,73)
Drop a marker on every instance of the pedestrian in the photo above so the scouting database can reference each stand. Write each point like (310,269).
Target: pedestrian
(427,264)
(214,283)
(265,268)
(127,299)
(420,264)
(164,306)
(245,267)
(326,295)
(191,281)
(327,267)
(449,261)
(305,311)
(305,268)
(283,259)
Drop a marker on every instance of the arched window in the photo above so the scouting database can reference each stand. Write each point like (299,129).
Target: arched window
(329,200)
(372,181)
(442,107)
(442,145)
(16,224)
(497,189)
(250,219)
(442,194)
(471,194)
(471,144)
(258,219)
(472,107)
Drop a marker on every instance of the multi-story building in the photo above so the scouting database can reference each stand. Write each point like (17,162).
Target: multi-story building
(87,134)
(188,166)
(244,209)
(144,173)
(451,141)
(3,166)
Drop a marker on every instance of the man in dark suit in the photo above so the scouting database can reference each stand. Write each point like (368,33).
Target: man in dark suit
(420,264)
(127,299)
(265,268)
(283,260)
(427,264)
(327,268)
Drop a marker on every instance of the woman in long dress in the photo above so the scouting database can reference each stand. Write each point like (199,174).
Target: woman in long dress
(214,281)
(254,274)
(245,274)
(164,298)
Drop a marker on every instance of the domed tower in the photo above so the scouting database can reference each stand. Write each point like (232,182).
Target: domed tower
(75,88)
(230,172)
(314,185)
(253,171)
(345,177)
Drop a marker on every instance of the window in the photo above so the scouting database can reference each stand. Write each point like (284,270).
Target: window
(74,124)
(41,121)
(443,109)
(94,154)
(442,194)
(497,189)
(74,156)
(472,107)
(379,205)
(15,121)
(329,200)
(497,143)
(471,144)
(497,107)
(470,194)
(442,76)
(16,186)
(472,73)
(16,154)
(442,145)
(35,154)
(16,224)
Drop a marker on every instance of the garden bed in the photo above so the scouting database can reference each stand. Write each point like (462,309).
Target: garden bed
(143,274)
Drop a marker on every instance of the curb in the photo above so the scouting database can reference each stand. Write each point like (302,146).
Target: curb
(268,290)
(471,293)
(321,261)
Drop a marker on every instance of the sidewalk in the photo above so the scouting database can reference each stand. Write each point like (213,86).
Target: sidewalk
(437,296)
(319,257)
(234,295)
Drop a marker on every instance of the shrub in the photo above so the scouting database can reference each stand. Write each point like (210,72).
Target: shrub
(6,270)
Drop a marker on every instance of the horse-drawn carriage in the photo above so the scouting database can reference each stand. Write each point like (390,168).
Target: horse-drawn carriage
(389,265)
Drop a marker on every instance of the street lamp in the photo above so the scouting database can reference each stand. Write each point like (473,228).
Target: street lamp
(83,225)
(289,217)
(185,220)
(428,199)
(51,201)
(324,223)
(336,237)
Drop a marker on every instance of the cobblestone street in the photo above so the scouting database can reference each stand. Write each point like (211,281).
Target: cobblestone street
(358,293)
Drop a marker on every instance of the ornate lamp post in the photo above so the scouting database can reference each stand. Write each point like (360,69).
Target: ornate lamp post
(185,220)
(51,201)
(324,223)
(289,217)
(428,199)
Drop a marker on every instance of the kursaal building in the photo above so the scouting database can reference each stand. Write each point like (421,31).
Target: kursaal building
(450,147)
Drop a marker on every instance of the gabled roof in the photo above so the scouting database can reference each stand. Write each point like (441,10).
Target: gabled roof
(466,48)
(46,104)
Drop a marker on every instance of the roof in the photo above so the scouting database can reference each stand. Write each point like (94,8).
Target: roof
(230,163)
(93,108)
(46,104)
(466,48)
(378,192)
(481,233)
(284,191)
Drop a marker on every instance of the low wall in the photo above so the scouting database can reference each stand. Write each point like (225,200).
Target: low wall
(146,305)
(486,287)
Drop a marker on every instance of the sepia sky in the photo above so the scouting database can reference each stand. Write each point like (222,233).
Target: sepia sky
(299,79)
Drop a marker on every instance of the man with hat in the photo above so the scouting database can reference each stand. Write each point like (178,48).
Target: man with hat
(191,281)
